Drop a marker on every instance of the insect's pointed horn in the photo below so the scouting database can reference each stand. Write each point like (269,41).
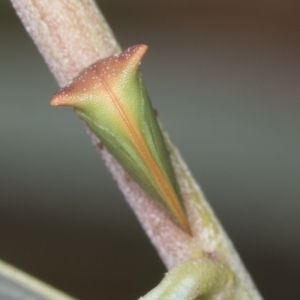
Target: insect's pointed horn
(62,98)
(134,55)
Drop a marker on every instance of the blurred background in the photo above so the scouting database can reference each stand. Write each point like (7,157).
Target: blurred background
(224,77)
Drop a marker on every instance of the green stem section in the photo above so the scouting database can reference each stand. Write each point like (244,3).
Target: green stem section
(16,285)
(199,279)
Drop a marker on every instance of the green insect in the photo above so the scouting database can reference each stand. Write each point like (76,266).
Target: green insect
(111,98)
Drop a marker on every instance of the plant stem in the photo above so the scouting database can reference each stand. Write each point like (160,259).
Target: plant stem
(15,284)
(69,34)
(73,34)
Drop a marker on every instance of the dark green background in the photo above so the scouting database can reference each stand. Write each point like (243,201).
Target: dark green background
(224,77)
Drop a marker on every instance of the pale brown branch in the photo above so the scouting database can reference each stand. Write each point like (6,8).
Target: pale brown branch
(71,35)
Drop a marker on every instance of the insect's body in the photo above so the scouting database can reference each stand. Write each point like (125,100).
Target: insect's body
(110,97)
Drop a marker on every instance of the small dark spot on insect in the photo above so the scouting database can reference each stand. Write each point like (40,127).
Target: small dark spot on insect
(155,112)
(126,177)
(99,145)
